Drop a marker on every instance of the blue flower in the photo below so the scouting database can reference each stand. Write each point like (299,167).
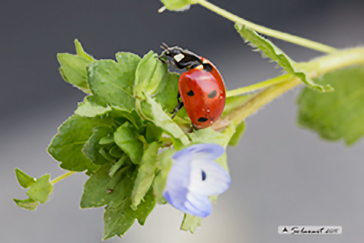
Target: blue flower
(194,176)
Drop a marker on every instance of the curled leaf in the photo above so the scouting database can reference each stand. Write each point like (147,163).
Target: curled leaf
(151,75)
(145,176)
(127,138)
(28,204)
(277,55)
(90,107)
(24,180)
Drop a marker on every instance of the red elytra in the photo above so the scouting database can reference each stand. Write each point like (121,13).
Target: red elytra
(203,94)
(201,87)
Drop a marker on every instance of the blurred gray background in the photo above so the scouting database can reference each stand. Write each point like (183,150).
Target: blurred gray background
(281,174)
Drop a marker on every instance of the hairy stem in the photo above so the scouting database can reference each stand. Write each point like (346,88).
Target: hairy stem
(269,32)
(255,87)
(61,177)
(316,68)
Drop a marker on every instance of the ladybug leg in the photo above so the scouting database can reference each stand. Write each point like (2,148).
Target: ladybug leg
(178,107)
(162,59)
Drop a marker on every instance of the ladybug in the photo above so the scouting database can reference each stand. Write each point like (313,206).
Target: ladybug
(201,87)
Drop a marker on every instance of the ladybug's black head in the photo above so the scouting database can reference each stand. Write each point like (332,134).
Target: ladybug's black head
(181,58)
(172,51)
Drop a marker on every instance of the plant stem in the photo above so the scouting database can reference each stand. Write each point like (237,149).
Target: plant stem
(61,177)
(261,85)
(269,32)
(316,68)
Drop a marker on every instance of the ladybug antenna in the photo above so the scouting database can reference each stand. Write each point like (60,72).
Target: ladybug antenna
(161,9)
(165,48)
(165,45)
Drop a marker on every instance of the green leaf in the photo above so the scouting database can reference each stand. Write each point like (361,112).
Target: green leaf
(152,111)
(178,4)
(131,116)
(40,189)
(153,133)
(80,52)
(28,204)
(67,145)
(116,152)
(277,55)
(165,162)
(120,218)
(127,138)
(112,83)
(209,135)
(151,75)
(97,188)
(120,163)
(336,115)
(90,108)
(146,173)
(145,207)
(238,133)
(24,180)
(127,60)
(105,153)
(92,146)
(190,223)
(167,98)
(107,140)
(73,70)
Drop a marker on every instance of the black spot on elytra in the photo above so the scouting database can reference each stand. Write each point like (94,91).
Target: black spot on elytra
(190,93)
(212,94)
(207,67)
(202,119)
(203,175)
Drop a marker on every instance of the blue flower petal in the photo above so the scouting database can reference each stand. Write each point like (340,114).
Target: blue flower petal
(194,176)
(203,151)
(178,181)
(194,204)
(198,205)
(208,178)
